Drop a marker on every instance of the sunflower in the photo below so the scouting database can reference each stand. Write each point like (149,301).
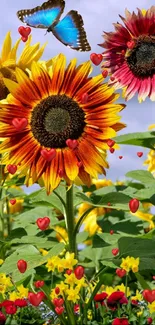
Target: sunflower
(8,59)
(130,54)
(49,132)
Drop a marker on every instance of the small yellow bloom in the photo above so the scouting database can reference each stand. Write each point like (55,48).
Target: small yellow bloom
(138,296)
(123,289)
(139,313)
(13,295)
(70,279)
(69,261)
(152,307)
(89,315)
(55,262)
(1,261)
(73,294)
(23,292)
(61,234)
(130,263)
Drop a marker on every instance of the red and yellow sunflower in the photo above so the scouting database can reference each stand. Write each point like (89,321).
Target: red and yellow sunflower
(50,131)
(130,54)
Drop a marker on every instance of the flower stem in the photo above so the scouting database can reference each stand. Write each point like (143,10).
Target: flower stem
(70,223)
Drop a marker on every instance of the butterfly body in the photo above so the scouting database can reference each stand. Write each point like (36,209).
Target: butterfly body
(69,30)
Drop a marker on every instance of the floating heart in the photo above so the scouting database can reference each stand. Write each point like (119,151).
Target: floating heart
(104,73)
(13,201)
(72,144)
(130,45)
(133,205)
(58,302)
(121,273)
(111,232)
(24,38)
(59,310)
(39,283)
(110,143)
(79,272)
(36,298)
(79,164)
(12,169)
(96,58)
(20,123)
(149,295)
(140,154)
(84,98)
(43,223)
(112,150)
(120,157)
(24,31)
(48,154)
(115,251)
(22,266)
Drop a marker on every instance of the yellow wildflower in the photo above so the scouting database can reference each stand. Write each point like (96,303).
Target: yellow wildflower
(23,292)
(109,290)
(70,279)
(81,283)
(123,289)
(73,294)
(55,262)
(138,296)
(139,313)
(152,307)
(13,295)
(89,315)
(130,263)
(1,261)
(69,261)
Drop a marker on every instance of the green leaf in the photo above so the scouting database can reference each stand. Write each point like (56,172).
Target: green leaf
(32,215)
(32,257)
(81,237)
(125,226)
(143,139)
(102,240)
(143,176)
(136,247)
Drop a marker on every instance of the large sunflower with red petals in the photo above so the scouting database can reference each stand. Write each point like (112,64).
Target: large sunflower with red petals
(130,54)
(56,123)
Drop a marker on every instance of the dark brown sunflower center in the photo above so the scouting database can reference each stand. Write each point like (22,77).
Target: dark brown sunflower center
(56,119)
(142,57)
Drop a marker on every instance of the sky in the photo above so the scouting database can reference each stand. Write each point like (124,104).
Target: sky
(98,16)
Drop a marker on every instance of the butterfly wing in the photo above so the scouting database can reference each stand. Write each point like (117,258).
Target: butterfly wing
(42,16)
(71,33)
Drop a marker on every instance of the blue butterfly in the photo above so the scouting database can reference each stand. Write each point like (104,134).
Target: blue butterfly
(68,31)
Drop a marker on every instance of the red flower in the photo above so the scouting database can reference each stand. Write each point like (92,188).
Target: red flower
(149,320)
(2,318)
(100,296)
(11,310)
(7,303)
(134,302)
(76,308)
(120,321)
(20,303)
(115,297)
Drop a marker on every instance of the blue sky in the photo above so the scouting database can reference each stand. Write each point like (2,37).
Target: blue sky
(98,16)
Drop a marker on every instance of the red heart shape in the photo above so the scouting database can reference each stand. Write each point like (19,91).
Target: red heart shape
(24,38)
(149,295)
(72,144)
(133,205)
(24,31)
(20,123)
(58,302)
(13,201)
(112,150)
(96,58)
(84,98)
(110,143)
(43,223)
(12,169)
(48,154)
(104,73)
(120,157)
(121,273)
(59,310)
(22,266)
(36,298)
(115,251)
(140,154)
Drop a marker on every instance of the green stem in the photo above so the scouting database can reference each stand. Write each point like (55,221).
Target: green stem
(70,222)
(126,284)
(96,289)
(79,223)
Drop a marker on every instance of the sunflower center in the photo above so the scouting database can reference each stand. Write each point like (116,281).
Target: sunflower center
(142,57)
(56,119)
